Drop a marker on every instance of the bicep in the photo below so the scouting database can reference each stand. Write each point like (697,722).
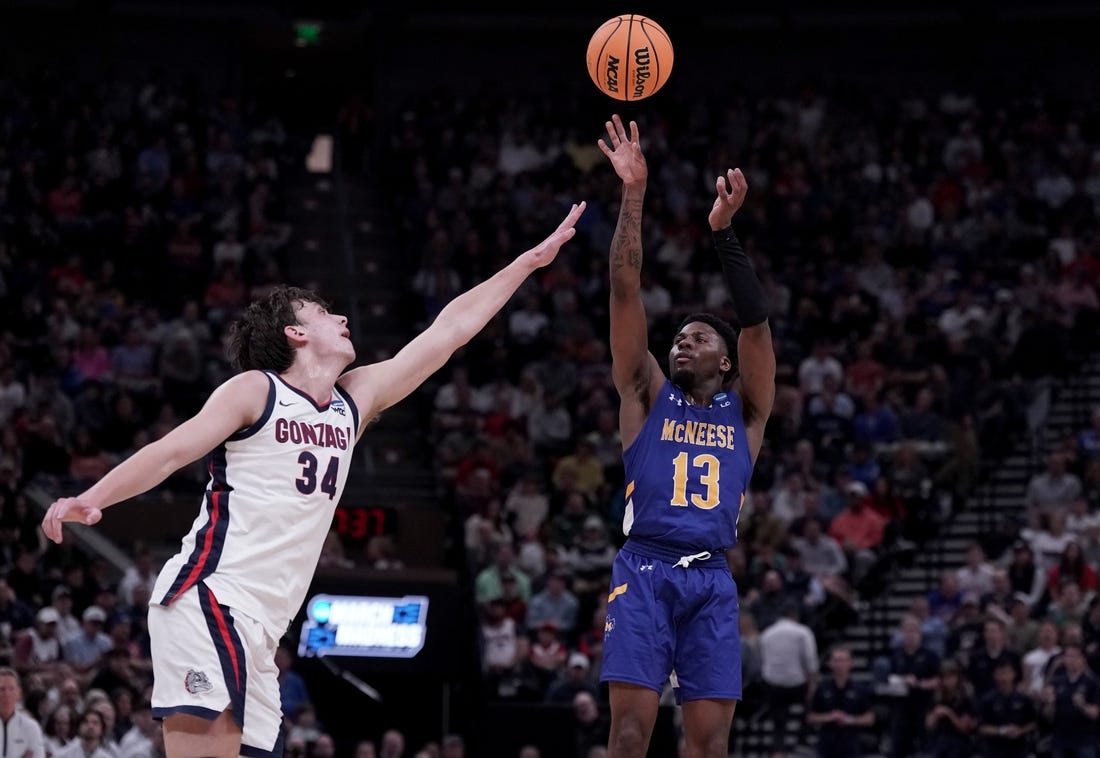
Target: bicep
(376,387)
(236,405)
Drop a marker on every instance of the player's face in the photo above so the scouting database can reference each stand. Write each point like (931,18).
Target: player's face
(698,354)
(327,331)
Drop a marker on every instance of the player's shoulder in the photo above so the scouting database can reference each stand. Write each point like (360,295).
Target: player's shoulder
(245,387)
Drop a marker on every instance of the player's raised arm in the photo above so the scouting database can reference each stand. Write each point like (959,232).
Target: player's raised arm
(755,354)
(235,405)
(635,371)
(379,386)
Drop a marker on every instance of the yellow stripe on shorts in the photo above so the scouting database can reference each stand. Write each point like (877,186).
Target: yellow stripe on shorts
(620,590)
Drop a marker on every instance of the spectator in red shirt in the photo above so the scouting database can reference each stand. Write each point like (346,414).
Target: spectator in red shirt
(859,529)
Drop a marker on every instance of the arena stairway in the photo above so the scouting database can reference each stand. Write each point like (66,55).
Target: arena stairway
(998,497)
(347,250)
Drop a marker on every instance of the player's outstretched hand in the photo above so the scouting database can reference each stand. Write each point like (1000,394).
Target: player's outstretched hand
(729,199)
(71,509)
(543,254)
(625,152)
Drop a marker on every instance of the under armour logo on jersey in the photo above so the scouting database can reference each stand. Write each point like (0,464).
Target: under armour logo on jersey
(675,399)
(196,682)
(646,567)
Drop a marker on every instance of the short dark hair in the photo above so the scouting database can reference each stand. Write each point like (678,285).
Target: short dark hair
(725,331)
(256,339)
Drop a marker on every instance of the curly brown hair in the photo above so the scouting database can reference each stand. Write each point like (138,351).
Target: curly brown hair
(256,339)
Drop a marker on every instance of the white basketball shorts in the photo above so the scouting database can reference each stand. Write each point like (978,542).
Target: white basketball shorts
(207,658)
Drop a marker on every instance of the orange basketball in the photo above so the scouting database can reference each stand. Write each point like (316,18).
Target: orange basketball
(629,57)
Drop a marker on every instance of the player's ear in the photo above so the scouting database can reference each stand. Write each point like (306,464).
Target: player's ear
(294,332)
(725,364)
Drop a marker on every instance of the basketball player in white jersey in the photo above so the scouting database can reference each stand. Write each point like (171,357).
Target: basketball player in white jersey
(279,436)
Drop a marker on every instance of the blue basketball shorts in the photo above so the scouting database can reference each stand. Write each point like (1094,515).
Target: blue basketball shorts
(667,621)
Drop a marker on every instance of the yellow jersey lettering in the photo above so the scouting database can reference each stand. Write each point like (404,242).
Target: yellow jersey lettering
(668,430)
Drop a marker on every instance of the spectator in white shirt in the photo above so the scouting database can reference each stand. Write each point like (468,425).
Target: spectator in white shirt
(816,366)
(22,736)
(976,575)
(789,669)
(1035,661)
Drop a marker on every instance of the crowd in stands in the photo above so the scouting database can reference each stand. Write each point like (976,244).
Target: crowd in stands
(135,219)
(931,264)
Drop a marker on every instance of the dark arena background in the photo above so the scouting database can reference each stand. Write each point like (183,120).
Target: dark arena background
(923,204)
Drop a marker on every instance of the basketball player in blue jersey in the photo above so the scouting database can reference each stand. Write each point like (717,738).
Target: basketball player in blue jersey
(279,437)
(689,445)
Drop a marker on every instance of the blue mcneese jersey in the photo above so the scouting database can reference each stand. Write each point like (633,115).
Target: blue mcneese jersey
(687,473)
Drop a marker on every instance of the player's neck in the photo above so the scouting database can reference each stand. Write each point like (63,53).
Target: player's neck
(314,379)
(702,396)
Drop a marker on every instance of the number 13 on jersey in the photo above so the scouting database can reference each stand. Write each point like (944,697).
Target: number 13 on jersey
(708,469)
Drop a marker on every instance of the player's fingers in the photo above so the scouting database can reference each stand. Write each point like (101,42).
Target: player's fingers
(742,182)
(612,135)
(720,186)
(634,133)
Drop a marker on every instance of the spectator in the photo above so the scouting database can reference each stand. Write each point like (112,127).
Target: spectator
(1024,574)
(789,668)
(916,670)
(555,604)
(89,742)
(1071,567)
(142,571)
(1055,486)
(822,556)
(1007,717)
(1035,661)
(994,648)
(859,530)
(39,646)
(820,363)
(976,575)
(59,729)
(591,728)
(487,584)
(574,679)
(84,650)
(503,651)
(137,742)
(1071,702)
(951,719)
(392,744)
(22,734)
(840,708)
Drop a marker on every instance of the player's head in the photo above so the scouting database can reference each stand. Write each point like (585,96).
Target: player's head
(257,339)
(704,346)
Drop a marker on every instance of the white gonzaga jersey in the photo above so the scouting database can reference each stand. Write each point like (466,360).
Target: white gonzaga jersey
(268,507)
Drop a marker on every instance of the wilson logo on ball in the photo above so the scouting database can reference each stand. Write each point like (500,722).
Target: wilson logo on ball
(629,57)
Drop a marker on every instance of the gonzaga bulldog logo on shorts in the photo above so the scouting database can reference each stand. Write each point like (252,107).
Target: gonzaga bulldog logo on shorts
(196,682)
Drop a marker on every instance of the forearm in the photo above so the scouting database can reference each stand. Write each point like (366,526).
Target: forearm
(625,258)
(467,314)
(139,473)
(742,283)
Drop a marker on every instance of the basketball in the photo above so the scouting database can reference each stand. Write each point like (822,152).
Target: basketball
(629,57)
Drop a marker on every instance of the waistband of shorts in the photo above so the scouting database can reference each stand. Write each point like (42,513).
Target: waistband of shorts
(670,554)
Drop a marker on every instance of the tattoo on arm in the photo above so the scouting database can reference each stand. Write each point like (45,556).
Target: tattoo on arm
(626,246)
